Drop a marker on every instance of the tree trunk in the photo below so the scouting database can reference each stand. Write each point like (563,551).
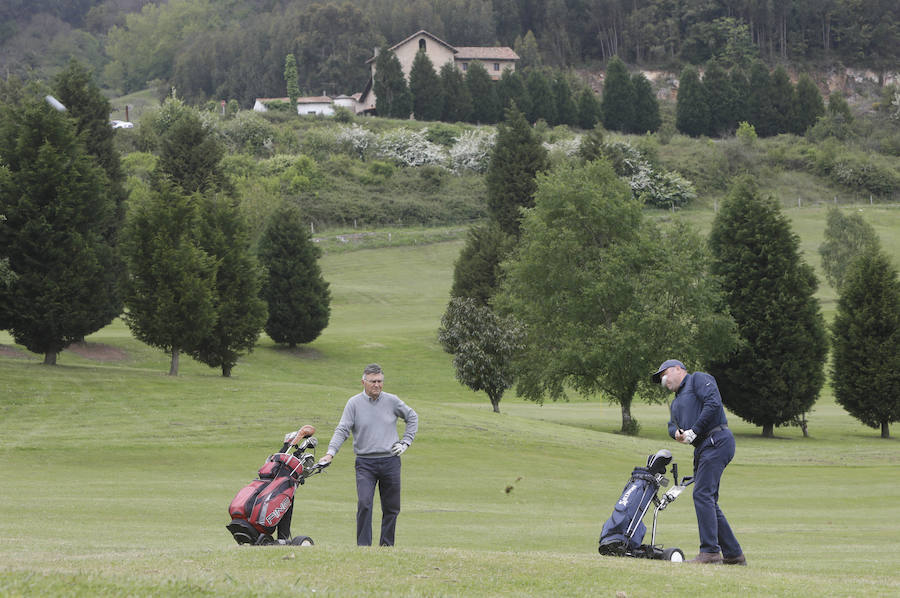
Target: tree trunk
(226,371)
(885,430)
(495,403)
(627,421)
(173,367)
(768,431)
(50,358)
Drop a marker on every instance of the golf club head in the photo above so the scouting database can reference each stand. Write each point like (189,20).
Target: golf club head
(657,463)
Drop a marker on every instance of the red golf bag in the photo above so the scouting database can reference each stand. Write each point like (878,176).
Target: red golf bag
(260,506)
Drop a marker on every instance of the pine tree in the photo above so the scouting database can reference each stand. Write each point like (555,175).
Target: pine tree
(618,97)
(190,154)
(691,108)
(296,293)
(588,109)
(540,90)
(291,79)
(516,159)
(865,371)
(170,294)
(476,273)
(512,89)
(760,109)
(846,236)
(58,213)
(646,107)
(781,92)
(808,105)
(566,110)
(739,101)
(457,105)
(240,312)
(776,374)
(719,98)
(425,87)
(392,96)
(485,104)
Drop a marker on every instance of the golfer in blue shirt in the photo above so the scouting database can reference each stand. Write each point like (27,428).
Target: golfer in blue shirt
(698,419)
(371,417)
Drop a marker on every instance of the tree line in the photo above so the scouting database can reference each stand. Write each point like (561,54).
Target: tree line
(235,49)
(176,265)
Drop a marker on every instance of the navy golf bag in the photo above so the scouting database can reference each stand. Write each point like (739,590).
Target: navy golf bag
(624,531)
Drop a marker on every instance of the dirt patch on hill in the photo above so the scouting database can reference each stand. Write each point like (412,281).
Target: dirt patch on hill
(97,352)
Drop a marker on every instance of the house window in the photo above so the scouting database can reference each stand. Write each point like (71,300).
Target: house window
(422,44)
(465,66)
(496,66)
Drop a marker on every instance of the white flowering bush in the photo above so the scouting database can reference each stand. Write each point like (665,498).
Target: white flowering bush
(566,147)
(410,148)
(472,151)
(654,188)
(356,141)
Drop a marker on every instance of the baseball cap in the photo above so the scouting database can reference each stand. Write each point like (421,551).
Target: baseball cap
(665,365)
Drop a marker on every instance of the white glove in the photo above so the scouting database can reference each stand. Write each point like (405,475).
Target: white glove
(289,437)
(688,436)
(399,448)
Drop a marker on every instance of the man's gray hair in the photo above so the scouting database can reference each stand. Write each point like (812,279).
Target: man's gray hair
(372,368)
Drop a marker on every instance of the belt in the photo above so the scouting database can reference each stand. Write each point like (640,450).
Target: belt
(718,428)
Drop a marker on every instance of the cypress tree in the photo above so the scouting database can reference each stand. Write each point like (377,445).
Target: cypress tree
(540,91)
(618,97)
(515,161)
(392,96)
(291,79)
(170,294)
(58,213)
(476,273)
(512,89)
(296,293)
(646,107)
(739,101)
(190,154)
(865,371)
(781,92)
(720,98)
(846,236)
(776,374)
(808,105)
(457,105)
(566,110)
(760,108)
(691,108)
(588,109)
(240,312)
(425,87)
(485,104)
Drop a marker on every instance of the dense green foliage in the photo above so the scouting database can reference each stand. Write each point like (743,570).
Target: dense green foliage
(603,295)
(865,372)
(846,237)
(477,272)
(294,290)
(57,232)
(425,87)
(776,373)
(392,96)
(483,345)
(618,97)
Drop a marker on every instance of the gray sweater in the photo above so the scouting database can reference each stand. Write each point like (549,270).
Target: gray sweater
(373,423)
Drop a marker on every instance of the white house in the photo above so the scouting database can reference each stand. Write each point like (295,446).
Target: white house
(319,105)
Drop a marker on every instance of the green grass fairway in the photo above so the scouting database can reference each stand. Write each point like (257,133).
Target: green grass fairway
(115,478)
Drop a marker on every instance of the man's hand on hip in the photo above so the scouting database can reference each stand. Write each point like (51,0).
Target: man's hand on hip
(399,448)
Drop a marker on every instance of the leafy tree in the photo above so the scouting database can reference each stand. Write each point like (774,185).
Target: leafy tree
(540,91)
(846,236)
(617,104)
(589,112)
(515,161)
(646,107)
(485,104)
(291,79)
(866,340)
(691,110)
(425,87)
(839,108)
(170,294)
(483,345)
(776,374)
(457,105)
(476,274)
(392,96)
(602,294)
(808,105)
(240,312)
(294,290)
(55,234)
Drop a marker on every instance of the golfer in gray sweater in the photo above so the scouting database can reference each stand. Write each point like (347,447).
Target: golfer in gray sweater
(371,416)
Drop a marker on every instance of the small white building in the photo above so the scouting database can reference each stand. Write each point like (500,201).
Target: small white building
(318,105)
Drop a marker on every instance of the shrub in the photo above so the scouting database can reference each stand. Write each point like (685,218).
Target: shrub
(249,132)
(355,141)
(472,152)
(410,148)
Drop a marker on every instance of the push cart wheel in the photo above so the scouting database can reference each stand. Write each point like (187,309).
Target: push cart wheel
(673,554)
(302,541)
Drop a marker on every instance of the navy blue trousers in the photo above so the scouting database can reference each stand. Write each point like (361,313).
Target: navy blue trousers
(710,458)
(384,472)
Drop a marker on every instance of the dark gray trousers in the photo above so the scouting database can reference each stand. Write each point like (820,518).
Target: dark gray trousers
(385,472)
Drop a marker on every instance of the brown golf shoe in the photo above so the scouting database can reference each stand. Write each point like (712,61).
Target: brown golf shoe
(735,560)
(707,558)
